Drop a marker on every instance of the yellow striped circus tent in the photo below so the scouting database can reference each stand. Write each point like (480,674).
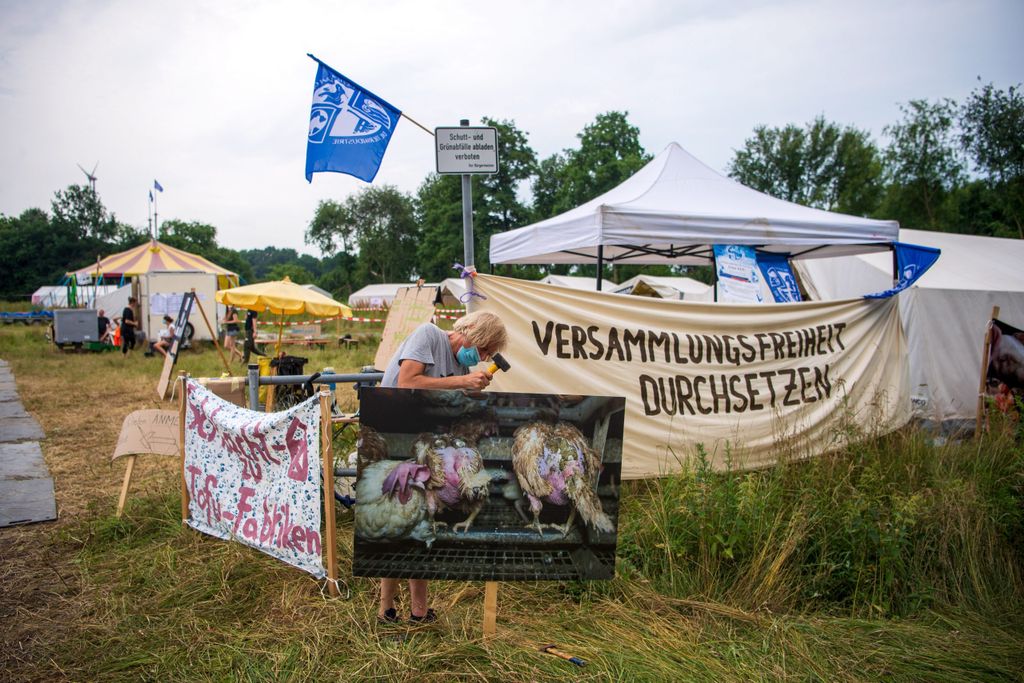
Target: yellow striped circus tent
(154,256)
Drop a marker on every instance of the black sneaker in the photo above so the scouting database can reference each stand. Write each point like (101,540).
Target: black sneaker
(429,618)
(390,617)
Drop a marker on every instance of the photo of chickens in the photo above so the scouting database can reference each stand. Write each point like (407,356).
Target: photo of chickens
(1004,381)
(487,486)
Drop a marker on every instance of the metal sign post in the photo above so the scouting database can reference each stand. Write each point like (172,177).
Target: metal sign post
(467,151)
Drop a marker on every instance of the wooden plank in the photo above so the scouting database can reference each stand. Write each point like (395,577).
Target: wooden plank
(327,448)
(26,500)
(490,608)
(20,429)
(22,461)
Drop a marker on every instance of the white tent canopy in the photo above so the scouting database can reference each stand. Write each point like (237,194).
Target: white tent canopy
(944,313)
(673,209)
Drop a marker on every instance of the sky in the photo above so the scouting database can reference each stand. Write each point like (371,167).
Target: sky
(213,99)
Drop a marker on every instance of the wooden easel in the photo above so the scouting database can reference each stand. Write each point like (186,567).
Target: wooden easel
(984,373)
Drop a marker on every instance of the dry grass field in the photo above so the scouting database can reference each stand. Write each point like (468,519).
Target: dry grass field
(897,560)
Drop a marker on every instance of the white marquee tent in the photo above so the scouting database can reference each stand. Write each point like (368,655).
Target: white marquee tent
(672,211)
(944,313)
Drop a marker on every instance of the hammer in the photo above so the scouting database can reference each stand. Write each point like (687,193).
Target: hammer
(552,650)
(498,363)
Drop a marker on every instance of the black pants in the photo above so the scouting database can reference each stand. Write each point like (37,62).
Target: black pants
(127,338)
(249,347)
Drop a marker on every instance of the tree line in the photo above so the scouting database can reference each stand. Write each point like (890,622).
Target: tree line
(945,165)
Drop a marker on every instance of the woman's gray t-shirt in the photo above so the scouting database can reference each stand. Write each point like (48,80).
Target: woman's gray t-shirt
(428,344)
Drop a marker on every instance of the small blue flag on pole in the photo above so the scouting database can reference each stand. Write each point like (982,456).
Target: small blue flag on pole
(158,186)
(349,127)
(151,195)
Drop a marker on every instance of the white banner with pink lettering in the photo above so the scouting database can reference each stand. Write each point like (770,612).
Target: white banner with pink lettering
(255,477)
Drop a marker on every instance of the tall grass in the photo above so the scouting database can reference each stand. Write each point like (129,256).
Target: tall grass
(888,526)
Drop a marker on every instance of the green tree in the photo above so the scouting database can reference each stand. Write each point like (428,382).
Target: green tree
(439,213)
(79,208)
(496,205)
(609,153)
(380,223)
(292,271)
(332,227)
(820,165)
(547,188)
(189,235)
(42,249)
(923,165)
(992,134)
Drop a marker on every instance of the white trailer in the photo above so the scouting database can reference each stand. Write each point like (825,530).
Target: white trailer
(160,294)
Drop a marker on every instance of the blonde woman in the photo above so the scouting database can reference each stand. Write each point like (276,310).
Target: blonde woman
(431,358)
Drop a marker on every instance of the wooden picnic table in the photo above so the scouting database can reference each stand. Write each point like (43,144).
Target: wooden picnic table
(319,342)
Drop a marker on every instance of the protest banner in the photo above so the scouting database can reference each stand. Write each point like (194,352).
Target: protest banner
(254,477)
(747,383)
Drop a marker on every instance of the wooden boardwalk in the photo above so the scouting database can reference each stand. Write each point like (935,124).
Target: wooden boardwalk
(26,488)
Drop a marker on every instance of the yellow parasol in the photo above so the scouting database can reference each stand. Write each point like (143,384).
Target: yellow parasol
(283,297)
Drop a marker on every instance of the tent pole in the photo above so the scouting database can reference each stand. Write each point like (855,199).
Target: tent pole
(600,264)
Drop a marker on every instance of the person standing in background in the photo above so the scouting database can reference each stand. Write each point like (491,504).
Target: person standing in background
(103,327)
(230,322)
(128,326)
(250,337)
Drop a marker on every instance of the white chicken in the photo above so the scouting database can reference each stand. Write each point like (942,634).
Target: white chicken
(391,502)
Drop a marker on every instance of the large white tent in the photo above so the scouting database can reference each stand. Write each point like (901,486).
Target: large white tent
(672,211)
(944,313)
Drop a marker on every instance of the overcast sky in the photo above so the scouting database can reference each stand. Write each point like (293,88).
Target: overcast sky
(212,98)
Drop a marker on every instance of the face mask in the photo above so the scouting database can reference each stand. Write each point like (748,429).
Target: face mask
(468,356)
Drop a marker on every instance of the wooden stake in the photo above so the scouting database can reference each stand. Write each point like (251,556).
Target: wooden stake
(127,480)
(213,333)
(984,373)
(490,608)
(182,404)
(327,448)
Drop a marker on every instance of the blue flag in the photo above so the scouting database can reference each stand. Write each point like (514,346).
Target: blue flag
(158,186)
(349,127)
(912,260)
(151,195)
(777,273)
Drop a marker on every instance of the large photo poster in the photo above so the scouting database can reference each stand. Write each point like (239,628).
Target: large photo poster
(1005,373)
(487,486)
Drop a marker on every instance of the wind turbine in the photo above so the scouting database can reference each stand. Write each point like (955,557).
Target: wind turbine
(90,176)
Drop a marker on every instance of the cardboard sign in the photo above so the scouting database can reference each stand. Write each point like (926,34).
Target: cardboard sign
(255,477)
(489,486)
(152,432)
(412,307)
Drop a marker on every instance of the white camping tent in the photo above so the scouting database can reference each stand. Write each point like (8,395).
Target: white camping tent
(379,296)
(672,211)
(944,314)
(666,287)
(577,282)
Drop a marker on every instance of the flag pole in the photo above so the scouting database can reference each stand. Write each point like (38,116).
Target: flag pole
(425,129)
(156,224)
